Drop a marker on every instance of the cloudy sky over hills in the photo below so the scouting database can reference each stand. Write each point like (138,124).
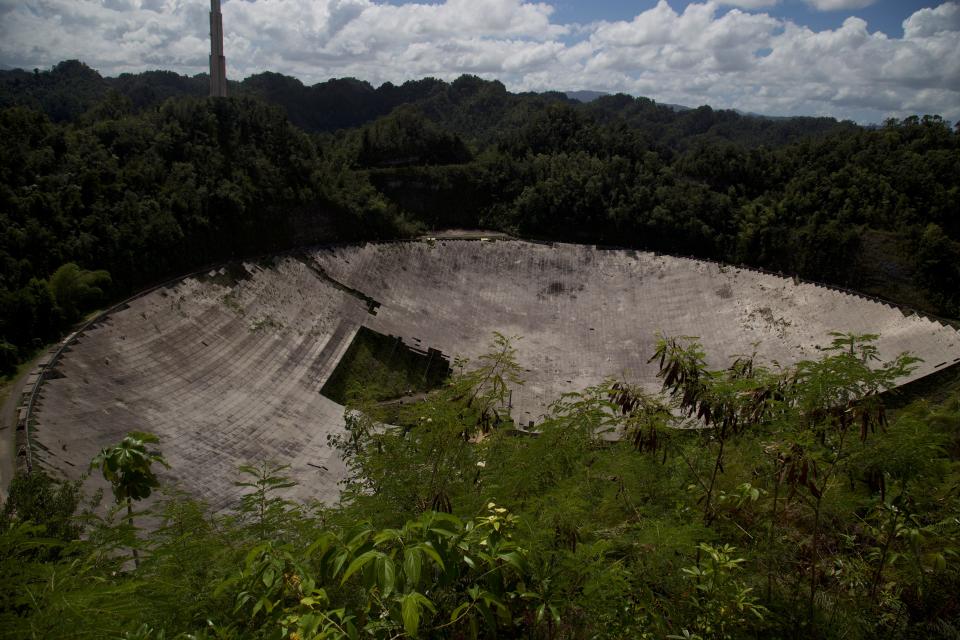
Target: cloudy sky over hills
(859,59)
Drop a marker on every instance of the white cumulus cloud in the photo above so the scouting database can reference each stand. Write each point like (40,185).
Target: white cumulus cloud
(838,5)
(944,19)
(750,4)
(741,57)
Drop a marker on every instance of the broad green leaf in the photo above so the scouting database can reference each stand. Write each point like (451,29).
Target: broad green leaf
(555,614)
(253,553)
(359,540)
(410,611)
(268,577)
(412,560)
(513,559)
(444,533)
(386,574)
(386,535)
(358,564)
(321,544)
(339,561)
(456,613)
(428,549)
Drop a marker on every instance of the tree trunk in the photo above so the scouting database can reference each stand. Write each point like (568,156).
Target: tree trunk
(708,512)
(773,524)
(878,574)
(136,554)
(814,550)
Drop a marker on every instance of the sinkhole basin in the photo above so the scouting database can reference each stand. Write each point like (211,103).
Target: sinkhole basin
(227,367)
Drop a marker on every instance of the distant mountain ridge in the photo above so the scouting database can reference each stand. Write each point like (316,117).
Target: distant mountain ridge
(476,109)
(585,96)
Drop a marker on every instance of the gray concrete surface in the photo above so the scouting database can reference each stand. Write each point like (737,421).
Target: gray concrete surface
(229,372)
(584,314)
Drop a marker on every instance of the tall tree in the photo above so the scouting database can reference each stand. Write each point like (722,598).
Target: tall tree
(128,468)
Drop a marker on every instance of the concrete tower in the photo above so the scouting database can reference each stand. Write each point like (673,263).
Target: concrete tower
(218,64)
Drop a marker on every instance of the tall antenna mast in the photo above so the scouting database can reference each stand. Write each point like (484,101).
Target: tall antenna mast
(218,64)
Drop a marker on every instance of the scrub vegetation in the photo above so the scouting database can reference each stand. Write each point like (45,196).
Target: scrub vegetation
(746,502)
(376,367)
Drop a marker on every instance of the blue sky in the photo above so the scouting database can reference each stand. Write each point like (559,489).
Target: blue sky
(865,60)
(883,15)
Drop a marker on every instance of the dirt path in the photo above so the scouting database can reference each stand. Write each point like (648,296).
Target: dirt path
(466,234)
(8,425)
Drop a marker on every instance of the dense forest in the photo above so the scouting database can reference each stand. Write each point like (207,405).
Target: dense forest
(143,178)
